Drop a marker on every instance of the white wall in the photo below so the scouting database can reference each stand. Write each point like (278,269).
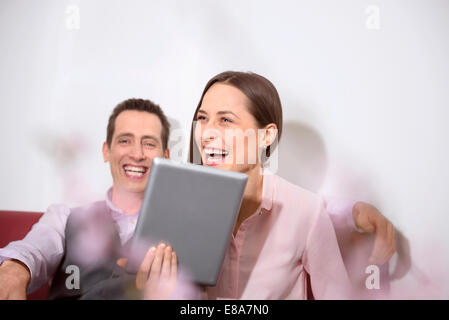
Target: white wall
(365,99)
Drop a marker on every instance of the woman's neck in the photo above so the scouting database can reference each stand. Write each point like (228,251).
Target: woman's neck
(128,202)
(252,196)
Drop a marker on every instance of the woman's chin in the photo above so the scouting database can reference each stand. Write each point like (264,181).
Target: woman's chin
(219,165)
(226,164)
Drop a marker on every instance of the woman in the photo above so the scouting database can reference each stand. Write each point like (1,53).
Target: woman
(282,231)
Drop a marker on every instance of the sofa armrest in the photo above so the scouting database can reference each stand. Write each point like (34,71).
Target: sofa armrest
(14,225)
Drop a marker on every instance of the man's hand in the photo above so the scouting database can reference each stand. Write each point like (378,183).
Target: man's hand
(14,279)
(157,273)
(369,219)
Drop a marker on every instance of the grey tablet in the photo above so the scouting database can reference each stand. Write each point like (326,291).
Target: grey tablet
(193,208)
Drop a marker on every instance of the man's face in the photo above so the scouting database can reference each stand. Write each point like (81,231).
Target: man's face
(135,143)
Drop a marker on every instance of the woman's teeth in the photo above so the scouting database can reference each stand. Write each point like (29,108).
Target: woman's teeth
(216,152)
(215,155)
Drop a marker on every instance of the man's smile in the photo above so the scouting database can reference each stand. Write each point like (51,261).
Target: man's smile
(135,171)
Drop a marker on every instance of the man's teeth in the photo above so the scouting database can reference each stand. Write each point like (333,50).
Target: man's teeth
(136,171)
(133,173)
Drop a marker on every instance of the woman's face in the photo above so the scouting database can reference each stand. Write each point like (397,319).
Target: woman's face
(225,131)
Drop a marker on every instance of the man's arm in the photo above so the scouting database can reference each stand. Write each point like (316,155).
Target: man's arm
(348,216)
(369,219)
(14,279)
(323,261)
(34,259)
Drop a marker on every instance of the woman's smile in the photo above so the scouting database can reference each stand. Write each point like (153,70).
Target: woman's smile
(214,156)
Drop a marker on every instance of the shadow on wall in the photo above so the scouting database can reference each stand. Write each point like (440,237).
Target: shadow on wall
(177,141)
(302,156)
(66,151)
(404,261)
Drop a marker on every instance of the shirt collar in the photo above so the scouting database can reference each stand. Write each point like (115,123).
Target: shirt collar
(115,212)
(265,206)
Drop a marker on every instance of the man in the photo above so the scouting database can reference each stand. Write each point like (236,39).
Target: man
(137,132)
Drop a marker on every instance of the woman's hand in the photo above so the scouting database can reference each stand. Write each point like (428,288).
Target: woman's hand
(158,272)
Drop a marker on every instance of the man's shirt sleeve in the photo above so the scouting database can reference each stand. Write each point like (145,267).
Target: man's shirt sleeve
(340,212)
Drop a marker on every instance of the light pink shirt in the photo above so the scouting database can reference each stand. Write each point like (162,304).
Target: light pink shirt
(289,235)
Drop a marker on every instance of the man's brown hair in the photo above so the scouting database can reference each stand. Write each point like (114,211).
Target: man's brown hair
(139,105)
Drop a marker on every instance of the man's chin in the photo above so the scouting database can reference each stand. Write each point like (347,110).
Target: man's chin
(135,190)
(136,187)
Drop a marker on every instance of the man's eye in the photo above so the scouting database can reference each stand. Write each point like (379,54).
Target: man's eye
(226,120)
(149,144)
(123,141)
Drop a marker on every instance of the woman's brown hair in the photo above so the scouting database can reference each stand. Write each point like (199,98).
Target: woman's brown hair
(265,104)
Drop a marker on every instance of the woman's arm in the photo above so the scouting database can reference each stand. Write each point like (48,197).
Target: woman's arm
(323,261)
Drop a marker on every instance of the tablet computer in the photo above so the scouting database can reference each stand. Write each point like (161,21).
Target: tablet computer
(192,208)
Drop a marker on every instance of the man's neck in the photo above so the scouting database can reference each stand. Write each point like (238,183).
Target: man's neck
(128,202)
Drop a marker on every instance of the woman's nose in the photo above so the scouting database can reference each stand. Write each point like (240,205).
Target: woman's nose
(210,133)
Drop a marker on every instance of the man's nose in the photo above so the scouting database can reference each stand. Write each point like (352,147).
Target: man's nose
(137,152)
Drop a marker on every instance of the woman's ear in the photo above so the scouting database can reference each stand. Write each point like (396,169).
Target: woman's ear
(270,133)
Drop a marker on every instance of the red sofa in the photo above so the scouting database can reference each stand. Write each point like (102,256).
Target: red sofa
(14,225)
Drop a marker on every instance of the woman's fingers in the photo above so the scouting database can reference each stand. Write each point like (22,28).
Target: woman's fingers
(158,272)
(173,272)
(145,267)
(157,262)
(174,266)
(162,278)
(166,264)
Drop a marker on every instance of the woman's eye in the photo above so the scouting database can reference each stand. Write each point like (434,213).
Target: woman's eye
(199,118)
(226,120)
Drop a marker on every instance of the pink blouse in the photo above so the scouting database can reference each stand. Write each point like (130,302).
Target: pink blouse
(289,235)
